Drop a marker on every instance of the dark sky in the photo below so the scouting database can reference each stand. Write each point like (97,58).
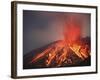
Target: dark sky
(41,28)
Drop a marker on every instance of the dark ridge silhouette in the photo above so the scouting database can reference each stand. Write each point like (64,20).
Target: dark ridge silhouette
(71,61)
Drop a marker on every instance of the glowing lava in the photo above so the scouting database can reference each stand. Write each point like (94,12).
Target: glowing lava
(58,53)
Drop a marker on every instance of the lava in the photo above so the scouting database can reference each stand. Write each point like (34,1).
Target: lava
(57,54)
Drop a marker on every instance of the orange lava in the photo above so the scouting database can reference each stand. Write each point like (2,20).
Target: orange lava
(72,34)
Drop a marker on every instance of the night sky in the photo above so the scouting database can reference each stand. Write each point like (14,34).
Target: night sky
(41,28)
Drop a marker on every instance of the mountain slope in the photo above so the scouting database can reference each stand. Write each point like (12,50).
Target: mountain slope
(59,54)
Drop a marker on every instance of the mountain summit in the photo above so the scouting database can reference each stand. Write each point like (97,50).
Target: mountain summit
(59,54)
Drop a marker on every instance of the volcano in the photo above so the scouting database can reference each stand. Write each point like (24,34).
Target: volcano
(59,54)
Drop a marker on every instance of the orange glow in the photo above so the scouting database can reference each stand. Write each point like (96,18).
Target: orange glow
(40,55)
(58,52)
(52,54)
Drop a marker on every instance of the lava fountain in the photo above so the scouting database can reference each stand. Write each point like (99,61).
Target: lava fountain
(57,54)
